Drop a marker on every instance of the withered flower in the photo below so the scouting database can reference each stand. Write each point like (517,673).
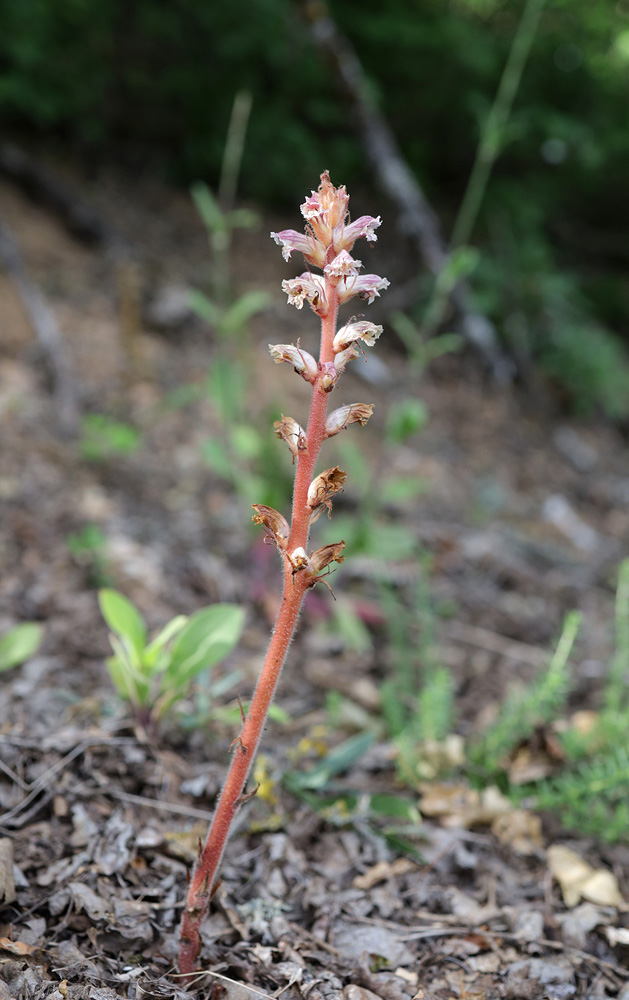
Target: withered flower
(339,419)
(290,431)
(274,522)
(322,557)
(323,488)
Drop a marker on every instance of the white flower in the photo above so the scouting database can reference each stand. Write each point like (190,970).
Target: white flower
(364,331)
(366,286)
(308,287)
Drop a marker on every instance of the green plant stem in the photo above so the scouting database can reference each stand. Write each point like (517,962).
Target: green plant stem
(487,152)
(493,130)
(204,876)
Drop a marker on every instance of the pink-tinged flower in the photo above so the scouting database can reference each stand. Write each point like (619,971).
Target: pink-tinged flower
(342,266)
(309,287)
(361,227)
(290,239)
(366,286)
(275,523)
(339,419)
(328,375)
(327,204)
(322,557)
(294,435)
(364,331)
(303,363)
(342,358)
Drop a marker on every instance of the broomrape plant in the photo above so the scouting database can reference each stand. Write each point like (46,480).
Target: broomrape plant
(326,244)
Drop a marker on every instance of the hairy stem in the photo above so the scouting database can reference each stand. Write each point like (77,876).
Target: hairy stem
(244,747)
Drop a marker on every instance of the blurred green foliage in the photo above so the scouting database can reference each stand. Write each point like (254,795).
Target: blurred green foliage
(152,87)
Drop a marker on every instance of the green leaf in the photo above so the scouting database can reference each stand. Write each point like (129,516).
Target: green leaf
(243,309)
(123,619)
(244,218)
(207,207)
(130,683)
(207,638)
(19,644)
(405,418)
(339,759)
(154,648)
(204,307)
(217,458)
(400,489)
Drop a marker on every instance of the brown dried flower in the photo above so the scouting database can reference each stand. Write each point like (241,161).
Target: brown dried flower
(346,415)
(323,488)
(274,522)
(289,430)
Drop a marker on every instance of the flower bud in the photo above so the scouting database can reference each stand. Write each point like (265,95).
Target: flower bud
(303,363)
(289,430)
(323,488)
(328,375)
(327,554)
(298,559)
(275,523)
(339,419)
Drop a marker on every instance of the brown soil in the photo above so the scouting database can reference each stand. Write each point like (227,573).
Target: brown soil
(524,516)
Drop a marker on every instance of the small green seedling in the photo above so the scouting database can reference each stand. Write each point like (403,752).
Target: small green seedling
(104,438)
(154,675)
(19,644)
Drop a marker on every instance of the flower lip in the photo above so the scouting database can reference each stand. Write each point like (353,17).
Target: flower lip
(364,226)
(327,554)
(290,240)
(362,330)
(366,286)
(303,363)
(339,419)
(276,525)
(289,430)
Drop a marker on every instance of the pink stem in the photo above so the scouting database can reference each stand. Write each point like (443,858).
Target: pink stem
(203,880)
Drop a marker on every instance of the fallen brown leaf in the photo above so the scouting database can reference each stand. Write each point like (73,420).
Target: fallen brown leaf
(578,880)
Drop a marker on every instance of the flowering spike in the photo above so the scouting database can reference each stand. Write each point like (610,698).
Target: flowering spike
(346,415)
(289,430)
(274,522)
(326,244)
(303,363)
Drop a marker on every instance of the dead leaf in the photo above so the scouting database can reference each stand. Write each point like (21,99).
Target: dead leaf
(617,935)
(382,871)
(16,947)
(7,885)
(460,805)
(519,829)
(578,880)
